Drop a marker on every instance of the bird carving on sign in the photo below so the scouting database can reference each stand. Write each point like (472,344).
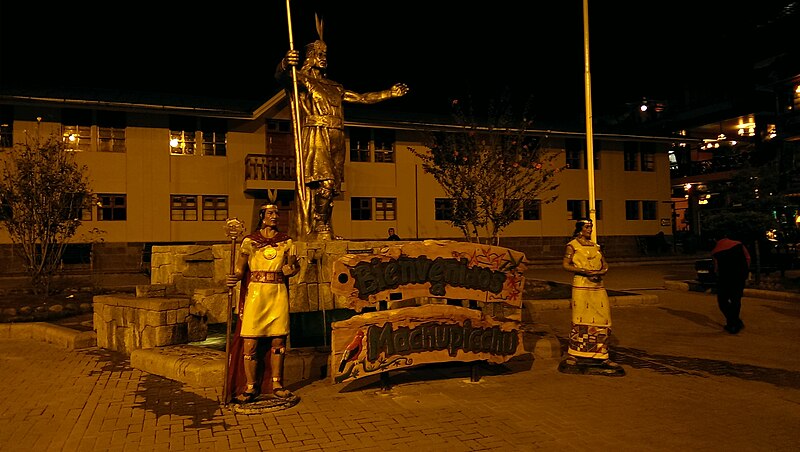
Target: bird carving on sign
(352,351)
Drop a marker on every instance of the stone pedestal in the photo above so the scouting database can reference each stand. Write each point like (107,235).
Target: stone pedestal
(125,323)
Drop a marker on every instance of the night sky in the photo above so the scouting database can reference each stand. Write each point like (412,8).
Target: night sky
(442,49)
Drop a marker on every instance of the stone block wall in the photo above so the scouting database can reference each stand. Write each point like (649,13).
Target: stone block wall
(125,323)
(199,271)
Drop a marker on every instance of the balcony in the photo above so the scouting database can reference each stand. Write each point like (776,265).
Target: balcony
(269,172)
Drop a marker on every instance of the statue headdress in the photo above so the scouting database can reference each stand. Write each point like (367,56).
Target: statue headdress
(319,44)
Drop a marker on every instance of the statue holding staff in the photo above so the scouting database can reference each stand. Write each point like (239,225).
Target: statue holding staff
(322,140)
(265,261)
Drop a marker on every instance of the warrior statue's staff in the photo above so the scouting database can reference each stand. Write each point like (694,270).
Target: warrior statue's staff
(294,102)
(233,229)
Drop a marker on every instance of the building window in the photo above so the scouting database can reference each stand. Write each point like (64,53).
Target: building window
(575,209)
(578,209)
(365,141)
(596,151)
(576,153)
(215,208)
(183,208)
(384,146)
(443,209)
(111,207)
(110,131)
(83,209)
(631,210)
(214,143)
(182,142)
(214,135)
(360,208)
(6,127)
(182,135)
(76,129)
(359,145)
(385,208)
(532,209)
(639,156)
(573,151)
(631,151)
(649,210)
(648,157)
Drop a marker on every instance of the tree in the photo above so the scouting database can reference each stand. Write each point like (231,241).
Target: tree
(42,190)
(750,203)
(490,169)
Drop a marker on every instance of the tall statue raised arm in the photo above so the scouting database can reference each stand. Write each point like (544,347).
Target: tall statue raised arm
(322,139)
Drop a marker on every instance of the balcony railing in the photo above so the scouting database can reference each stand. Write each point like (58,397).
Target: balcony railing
(269,172)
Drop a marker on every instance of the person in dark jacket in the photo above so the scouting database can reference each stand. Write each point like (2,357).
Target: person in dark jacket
(732,265)
(392,235)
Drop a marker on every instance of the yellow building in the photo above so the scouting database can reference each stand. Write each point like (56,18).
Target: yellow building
(171,170)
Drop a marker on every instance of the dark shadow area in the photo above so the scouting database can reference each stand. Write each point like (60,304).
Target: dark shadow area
(784,311)
(160,395)
(164,397)
(111,361)
(438,371)
(699,367)
(536,289)
(699,319)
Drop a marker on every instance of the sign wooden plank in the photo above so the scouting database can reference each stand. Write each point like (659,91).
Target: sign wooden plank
(431,268)
(376,342)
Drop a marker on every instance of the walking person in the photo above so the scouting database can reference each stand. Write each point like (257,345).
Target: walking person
(732,266)
(267,258)
(591,311)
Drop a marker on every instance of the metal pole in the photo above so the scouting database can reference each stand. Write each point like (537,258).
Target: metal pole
(233,229)
(589,133)
(295,107)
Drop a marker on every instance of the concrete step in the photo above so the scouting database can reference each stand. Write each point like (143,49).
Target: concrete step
(204,367)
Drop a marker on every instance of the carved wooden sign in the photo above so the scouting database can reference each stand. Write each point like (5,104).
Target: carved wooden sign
(444,269)
(375,342)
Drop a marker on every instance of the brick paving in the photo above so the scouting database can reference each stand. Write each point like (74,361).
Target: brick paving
(689,386)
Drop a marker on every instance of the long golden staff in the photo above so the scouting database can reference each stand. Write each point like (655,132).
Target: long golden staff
(233,229)
(295,108)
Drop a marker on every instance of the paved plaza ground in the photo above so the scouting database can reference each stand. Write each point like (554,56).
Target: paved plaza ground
(689,386)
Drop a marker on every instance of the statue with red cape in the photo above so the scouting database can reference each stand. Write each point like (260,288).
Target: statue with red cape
(265,261)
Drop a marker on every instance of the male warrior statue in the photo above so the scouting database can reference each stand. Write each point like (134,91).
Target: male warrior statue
(322,138)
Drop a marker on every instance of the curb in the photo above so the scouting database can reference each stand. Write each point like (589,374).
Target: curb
(751,293)
(771,295)
(616,301)
(203,367)
(53,334)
